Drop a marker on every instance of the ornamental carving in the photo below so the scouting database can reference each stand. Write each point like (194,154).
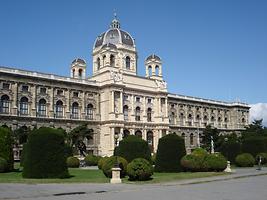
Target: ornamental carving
(161,84)
(116,76)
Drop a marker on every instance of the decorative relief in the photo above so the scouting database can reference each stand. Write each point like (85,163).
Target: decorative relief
(161,84)
(116,76)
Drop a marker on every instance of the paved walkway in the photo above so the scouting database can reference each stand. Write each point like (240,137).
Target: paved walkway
(247,181)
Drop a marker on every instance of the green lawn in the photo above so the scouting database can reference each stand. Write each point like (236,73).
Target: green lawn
(97,176)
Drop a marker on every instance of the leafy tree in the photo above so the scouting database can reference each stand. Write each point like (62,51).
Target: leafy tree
(77,135)
(255,129)
(208,133)
(21,134)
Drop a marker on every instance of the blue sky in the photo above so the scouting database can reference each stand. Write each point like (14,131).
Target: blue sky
(210,48)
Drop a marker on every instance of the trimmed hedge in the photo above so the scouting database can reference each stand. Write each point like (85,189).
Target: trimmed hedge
(254,145)
(73,162)
(133,147)
(201,161)
(171,149)
(3,165)
(6,147)
(139,170)
(109,164)
(195,162)
(216,162)
(45,155)
(245,160)
(101,162)
(91,160)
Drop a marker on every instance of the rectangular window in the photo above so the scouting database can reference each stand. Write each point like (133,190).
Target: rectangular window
(149,100)
(59,92)
(24,108)
(42,110)
(4,106)
(43,90)
(6,86)
(75,94)
(25,88)
(137,99)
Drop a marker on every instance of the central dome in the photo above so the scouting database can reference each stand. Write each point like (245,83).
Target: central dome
(115,36)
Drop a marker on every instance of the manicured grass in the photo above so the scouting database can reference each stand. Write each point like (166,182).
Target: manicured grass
(97,176)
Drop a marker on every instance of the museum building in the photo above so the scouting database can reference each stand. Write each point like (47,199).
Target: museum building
(114,101)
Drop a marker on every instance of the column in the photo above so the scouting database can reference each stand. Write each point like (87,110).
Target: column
(144,111)
(112,102)
(82,116)
(121,102)
(133,110)
(112,140)
(147,72)
(153,70)
(159,102)
(51,107)
(15,99)
(67,111)
(144,134)
(121,134)
(166,108)
(33,105)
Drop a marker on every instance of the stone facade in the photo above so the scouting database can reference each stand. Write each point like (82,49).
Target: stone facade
(115,100)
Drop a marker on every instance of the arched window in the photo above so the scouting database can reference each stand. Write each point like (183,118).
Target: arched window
(183,135)
(24,106)
(212,118)
(149,139)
(112,60)
(137,114)
(205,117)
(126,133)
(89,111)
(138,133)
(128,62)
(149,70)
(98,63)
(4,104)
(104,60)
(59,109)
(191,139)
(80,73)
(189,116)
(125,112)
(149,114)
(75,110)
(42,108)
(243,120)
(157,70)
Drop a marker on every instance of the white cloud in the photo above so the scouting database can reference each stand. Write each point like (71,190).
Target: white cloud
(259,111)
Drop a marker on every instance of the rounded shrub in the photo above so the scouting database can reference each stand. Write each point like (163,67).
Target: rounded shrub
(101,162)
(73,162)
(171,149)
(196,161)
(109,164)
(139,170)
(3,165)
(91,160)
(45,154)
(133,147)
(216,162)
(245,160)
(6,147)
